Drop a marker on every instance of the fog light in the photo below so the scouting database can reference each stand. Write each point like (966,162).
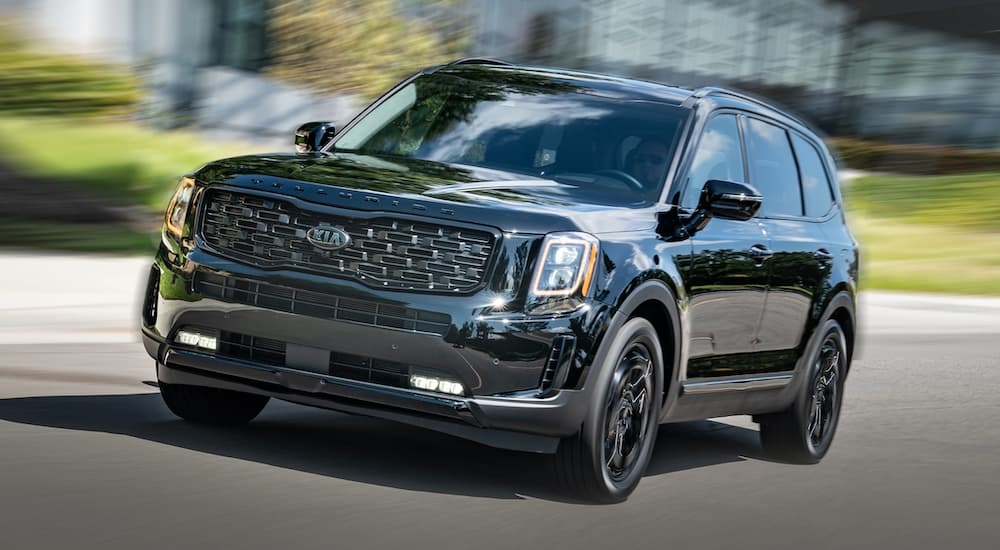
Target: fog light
(435,384)
(196,339)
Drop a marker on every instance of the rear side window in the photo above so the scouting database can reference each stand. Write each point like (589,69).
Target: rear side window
(718,157)
(815,182)
(772,169)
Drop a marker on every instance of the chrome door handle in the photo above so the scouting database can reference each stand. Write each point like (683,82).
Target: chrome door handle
(760,253)
(823,256)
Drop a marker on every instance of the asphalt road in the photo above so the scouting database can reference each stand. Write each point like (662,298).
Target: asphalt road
(90,458)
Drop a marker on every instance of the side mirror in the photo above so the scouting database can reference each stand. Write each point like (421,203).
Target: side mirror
(723,199)
(729,200)
(313,136)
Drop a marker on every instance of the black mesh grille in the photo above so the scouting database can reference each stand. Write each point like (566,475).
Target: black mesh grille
(323,306)
(383,252)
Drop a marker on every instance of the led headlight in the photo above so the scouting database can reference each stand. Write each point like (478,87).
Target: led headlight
(177,210)
(565,266)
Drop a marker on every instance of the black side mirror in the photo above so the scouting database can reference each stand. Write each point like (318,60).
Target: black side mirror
(313,136)
(730,200)
(723,199)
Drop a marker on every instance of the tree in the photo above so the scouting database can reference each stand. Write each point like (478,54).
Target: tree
(358,46)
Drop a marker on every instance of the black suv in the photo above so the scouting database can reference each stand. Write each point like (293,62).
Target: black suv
(534,259)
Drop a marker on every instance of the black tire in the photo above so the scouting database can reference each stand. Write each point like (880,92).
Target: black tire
(802,434)
(605,461)
(212,405)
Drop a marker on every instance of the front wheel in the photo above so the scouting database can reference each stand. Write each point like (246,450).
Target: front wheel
(606,459)
(803,433)
(211,405)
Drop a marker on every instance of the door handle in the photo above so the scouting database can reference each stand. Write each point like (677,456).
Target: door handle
(823,256)
(760,253)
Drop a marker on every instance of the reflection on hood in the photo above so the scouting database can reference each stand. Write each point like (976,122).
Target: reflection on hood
(405,176)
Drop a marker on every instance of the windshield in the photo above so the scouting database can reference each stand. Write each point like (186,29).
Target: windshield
(527,124)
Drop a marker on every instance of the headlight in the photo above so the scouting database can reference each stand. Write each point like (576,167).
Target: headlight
(565,266)
(177,210)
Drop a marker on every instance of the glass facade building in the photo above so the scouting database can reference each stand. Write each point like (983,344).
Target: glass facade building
(874,77)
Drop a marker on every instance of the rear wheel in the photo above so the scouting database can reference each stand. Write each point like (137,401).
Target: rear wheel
(803,433)
(212,405)
(606,459)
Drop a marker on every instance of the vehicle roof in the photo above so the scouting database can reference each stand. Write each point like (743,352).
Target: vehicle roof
(619,86)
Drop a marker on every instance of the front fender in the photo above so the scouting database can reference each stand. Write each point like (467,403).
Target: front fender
(655,300)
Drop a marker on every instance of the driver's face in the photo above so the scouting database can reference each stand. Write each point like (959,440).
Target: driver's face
(650,164)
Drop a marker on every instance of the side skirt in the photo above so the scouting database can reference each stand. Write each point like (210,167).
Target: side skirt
(702,398)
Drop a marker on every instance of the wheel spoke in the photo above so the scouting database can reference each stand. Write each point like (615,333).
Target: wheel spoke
(815,419)
(617,458)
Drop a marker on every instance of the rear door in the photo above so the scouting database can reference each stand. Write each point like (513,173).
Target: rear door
(780,164)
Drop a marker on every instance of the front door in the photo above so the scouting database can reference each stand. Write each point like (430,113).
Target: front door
(728,273)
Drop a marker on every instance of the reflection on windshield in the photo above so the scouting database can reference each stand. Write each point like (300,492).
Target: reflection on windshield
(524,123)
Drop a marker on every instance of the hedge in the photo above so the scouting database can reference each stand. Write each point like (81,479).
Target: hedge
(876,156)
(33,83)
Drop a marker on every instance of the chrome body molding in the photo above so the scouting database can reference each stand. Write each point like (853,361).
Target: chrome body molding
(743,383)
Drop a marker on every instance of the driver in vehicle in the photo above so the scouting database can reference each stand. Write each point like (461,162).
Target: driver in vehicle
(648,163)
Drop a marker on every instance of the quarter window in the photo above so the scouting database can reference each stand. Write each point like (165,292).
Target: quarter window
(815,182)
(772,169)
(718,158)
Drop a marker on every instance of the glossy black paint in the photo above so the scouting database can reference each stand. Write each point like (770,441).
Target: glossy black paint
(729,200)
(733,296)
(313,136)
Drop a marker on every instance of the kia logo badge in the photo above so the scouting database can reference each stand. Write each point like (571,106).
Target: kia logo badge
(328,238)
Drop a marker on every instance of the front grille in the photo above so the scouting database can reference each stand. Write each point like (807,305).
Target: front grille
(342,365)
(383,252)
(315,304)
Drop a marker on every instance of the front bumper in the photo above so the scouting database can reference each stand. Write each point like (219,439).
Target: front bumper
(515,423)
(523,382)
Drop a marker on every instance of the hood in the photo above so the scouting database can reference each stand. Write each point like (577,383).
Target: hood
(506,200)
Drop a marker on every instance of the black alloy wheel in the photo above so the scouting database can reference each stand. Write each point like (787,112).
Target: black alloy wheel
(824,403)
(803,433)
(605,461)
(628,411)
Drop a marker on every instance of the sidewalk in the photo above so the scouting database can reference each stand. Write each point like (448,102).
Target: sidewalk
(70,298)
(48,298)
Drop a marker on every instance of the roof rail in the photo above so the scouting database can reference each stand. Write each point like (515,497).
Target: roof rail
(715,90)
(478,61)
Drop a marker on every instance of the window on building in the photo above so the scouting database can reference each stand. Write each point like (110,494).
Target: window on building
(240,40)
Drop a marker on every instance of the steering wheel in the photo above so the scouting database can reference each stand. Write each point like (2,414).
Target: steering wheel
(622,176)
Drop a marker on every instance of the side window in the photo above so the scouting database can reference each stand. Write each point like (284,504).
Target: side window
(772,169)
(718,157)
(815,183)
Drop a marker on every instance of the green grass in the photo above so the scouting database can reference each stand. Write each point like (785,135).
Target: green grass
(130,164)
(921,257)
(962,201)
(928,233)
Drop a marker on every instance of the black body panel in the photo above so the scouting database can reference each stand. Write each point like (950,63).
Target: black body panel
(430,268)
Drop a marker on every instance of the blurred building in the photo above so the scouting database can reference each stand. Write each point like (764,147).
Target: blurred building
(906,70)
(200,60)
